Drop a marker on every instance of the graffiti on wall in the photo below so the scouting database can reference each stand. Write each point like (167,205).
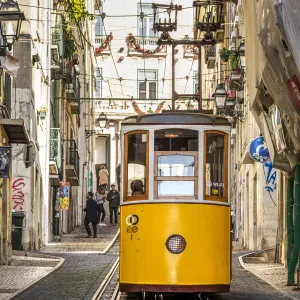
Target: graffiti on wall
(270,177)
(18,193)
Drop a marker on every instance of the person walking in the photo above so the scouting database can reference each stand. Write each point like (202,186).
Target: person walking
(100,198)
(103,177)
(113,197)
(92,210)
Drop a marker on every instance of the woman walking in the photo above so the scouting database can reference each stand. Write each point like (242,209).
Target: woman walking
(100,198)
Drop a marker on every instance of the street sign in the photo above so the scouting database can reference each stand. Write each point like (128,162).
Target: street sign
(259,151)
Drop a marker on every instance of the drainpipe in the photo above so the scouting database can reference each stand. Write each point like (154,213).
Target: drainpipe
(295,252)
(289,219)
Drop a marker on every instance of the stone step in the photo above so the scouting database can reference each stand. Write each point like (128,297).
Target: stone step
(255,259)
(34,263)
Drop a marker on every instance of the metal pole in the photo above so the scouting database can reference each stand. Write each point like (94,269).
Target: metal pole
(199,79)
(173,76)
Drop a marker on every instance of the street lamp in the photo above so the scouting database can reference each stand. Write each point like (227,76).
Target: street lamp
(10,22)
(220,95)
(102,121)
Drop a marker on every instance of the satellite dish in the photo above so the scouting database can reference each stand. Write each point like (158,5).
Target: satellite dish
(29,153)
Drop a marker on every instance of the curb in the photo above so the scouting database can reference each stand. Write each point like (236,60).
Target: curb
(29,285)
(260,277)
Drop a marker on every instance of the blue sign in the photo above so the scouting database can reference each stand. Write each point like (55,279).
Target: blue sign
(259,151)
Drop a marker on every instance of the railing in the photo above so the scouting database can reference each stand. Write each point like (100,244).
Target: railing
(210,51)
(74,87)
(72,157)
(56,149)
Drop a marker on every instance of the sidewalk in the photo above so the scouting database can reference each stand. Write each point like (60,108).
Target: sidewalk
(24,272)
(274,274)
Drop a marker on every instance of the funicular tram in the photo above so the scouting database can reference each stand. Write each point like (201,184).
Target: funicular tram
(175,210)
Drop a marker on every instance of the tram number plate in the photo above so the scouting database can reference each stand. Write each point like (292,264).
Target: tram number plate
(132,229)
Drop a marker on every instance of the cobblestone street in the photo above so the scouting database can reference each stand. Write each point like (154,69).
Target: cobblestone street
(78,278)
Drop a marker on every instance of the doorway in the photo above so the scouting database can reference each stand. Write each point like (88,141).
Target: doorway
(255,194)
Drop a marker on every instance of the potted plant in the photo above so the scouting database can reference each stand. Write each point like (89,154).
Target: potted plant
(224,54)
(234,61)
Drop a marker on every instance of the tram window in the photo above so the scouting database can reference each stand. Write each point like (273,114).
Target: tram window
(176,164)
(176,188)
(176,140)
(136,162)
(216,166)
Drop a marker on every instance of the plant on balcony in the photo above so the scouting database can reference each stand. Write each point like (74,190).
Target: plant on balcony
(234,61)
(224,54)
(193,49)
(140,49)
(105,44)
(136,108)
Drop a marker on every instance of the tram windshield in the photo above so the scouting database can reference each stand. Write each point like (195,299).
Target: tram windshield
(176,163)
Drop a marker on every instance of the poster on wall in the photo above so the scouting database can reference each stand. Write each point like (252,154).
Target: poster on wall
(64,195)
(4,162)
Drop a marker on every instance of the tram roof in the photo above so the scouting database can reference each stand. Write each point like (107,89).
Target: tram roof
(176,118)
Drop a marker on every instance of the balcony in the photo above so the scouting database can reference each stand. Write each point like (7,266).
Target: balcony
(56,157)
(72,162)
(73,95)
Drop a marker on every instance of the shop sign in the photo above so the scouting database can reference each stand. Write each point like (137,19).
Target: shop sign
(259,151)
(64,195)
(293,86)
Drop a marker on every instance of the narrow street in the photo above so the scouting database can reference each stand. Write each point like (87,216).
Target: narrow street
(82,274)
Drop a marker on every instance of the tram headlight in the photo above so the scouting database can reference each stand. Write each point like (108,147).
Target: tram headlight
(175,243)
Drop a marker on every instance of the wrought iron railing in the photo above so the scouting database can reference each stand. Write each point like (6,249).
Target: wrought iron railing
(72,157)
(210,51)
(56,149)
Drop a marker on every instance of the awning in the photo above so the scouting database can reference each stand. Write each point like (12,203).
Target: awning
(15,130)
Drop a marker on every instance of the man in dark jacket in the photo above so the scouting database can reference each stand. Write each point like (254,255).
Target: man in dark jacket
(113,197)
(92,210)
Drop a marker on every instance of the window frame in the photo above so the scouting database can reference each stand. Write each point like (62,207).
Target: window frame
(127,198)
(225,158)
(146,34)
(194,178)
(98,12)
(147,83)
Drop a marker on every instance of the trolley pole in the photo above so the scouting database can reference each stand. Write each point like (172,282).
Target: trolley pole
(175,95)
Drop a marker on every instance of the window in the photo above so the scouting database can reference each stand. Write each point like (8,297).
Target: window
(215,166)
(98,84)
(98,25)
(136,165)
(146,29)
(176,164)
(147,84)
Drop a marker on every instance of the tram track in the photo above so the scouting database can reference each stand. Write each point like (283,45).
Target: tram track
(104,290)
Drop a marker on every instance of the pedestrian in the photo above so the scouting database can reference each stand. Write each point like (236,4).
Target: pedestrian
(118,173)
(100,198)
(92,210)
(113,197)
(103,177)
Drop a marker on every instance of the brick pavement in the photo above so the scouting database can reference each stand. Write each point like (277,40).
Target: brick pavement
(274,274)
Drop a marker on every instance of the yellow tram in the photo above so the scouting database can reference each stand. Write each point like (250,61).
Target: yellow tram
(175,210)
